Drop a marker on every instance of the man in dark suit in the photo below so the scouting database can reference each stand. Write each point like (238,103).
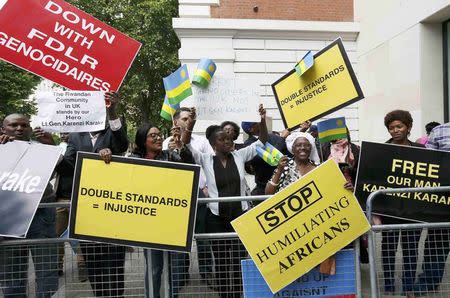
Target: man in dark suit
(104,262)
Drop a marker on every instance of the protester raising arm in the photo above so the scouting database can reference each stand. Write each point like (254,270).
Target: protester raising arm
(186,134)
(225,176)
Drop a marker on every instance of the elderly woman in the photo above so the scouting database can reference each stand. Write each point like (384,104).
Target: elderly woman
(225,177)
(399,124)
(302,146)
(149,146)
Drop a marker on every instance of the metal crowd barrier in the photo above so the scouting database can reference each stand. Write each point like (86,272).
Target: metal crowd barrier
(212,269)
(30,268)
(208,274)
(410,257)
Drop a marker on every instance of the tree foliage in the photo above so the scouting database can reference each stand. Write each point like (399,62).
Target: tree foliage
(16,85)
(149,22)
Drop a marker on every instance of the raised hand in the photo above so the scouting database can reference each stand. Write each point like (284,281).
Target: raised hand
(304,126)
(106,155)
(43,137)
(111,99)
(5,139)
(282,163)
(262,111)
(175,141)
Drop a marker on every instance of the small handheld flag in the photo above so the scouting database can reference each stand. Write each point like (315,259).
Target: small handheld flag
(332,129)
(305,63)
(266,156)
(269,154)
(204,73)
(177,85)
(277,155)
(168,110)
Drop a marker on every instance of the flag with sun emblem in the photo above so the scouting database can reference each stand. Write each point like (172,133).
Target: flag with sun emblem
(332,129)
(204,72)
(178,85)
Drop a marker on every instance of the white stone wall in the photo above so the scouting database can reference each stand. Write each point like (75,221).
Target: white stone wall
(263,50)
(400,62)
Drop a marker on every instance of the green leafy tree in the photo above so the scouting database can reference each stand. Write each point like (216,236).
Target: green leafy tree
(142,92)
(16,85)
(149,22)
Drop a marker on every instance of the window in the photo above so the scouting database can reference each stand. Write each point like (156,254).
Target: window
(446,44)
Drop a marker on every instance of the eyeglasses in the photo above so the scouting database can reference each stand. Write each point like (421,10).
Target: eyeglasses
(155,136)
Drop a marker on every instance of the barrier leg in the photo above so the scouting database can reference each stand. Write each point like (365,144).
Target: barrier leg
(372,269)
(357,268)
(148,274)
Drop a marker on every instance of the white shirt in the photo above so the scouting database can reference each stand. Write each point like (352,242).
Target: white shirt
(114,124)
(240,156)
(201,144)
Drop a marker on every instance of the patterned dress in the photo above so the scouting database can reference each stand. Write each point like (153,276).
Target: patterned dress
(289,175)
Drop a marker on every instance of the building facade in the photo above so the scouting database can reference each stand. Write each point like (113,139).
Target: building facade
(263,40)
(397,49)
(402,61)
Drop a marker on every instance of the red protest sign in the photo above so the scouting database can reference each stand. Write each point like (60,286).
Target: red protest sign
(59,42)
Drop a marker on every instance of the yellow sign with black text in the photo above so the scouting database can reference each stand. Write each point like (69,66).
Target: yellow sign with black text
(327,86)
(301,226)
(134,201)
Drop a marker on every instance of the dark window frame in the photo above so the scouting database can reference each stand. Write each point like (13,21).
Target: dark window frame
(445,44)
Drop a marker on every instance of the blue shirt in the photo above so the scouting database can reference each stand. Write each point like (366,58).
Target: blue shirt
(440,138)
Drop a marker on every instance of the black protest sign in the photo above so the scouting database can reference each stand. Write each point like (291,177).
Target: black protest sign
(384,166)
(25,171)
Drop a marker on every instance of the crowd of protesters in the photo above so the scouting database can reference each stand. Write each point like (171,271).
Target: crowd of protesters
(224,165)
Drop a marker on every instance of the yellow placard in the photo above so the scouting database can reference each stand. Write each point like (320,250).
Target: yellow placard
(302,225)
(134,201)
(327,86)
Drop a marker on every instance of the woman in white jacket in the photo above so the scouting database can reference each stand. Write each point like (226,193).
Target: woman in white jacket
(225,177)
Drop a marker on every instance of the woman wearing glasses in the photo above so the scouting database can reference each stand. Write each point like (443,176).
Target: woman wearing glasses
(149,146)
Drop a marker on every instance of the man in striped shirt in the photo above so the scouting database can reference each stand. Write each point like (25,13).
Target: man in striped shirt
(437,244)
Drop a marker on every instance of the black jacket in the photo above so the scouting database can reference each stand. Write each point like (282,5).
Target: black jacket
(117,141)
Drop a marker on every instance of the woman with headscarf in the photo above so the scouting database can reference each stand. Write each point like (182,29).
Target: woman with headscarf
(304,160)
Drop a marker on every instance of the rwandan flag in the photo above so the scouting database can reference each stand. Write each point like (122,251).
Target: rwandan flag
(204,72)
(332,129)
(277,155)
(177,85)
(306,63)
(168,110)
(269,154)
